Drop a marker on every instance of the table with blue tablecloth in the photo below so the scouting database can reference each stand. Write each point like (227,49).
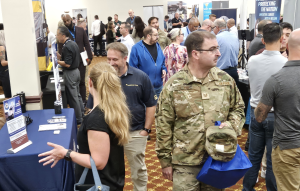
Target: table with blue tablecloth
(23,172)
(101,52)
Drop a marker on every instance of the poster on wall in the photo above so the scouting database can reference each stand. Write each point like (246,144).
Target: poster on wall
(56,75)
(79,13)
(177,7)
(207,10)
(267,10)
(195,11)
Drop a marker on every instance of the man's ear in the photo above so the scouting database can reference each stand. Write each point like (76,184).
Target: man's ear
(281,39)
(263,41)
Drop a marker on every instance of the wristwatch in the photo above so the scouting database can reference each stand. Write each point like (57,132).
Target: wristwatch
(67,156)
(148,130)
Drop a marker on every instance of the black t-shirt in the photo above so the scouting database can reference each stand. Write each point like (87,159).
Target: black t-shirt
(152,49)
(174,20)
(3,68)
(113,174)
(70,54)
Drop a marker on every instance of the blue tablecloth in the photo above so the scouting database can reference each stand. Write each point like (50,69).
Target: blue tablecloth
(22,172)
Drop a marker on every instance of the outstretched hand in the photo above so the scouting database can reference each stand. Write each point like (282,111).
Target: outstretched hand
(57,153)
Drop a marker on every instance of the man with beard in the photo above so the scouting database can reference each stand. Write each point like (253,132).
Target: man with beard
(147,56)
(79,36)
(163,40)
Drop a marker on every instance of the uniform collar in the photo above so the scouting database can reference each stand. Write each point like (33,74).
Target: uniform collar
(292,63)
(211,76)
(129,71)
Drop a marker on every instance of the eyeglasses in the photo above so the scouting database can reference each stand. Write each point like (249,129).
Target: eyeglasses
(213,50)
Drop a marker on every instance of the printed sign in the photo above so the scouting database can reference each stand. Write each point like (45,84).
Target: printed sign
(207,10)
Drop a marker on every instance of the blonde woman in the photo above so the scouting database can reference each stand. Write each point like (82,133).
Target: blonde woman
(103,132)
(111,33)
(175,54)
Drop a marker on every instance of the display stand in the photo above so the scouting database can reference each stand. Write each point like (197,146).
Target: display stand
(14,151)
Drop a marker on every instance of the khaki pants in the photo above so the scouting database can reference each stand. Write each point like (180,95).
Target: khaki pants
(184,179)
(286,169)
(135,153)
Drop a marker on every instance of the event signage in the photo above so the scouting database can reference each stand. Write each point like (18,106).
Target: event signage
(15,124)
(207,10)
(267,10)
(56,75)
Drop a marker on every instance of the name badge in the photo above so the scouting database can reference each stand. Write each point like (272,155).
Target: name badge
(205,95)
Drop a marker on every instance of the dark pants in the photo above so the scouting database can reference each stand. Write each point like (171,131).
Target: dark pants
(82,87)
(261,136)
(4,77)
(233,73)
(72,80)
(97,39)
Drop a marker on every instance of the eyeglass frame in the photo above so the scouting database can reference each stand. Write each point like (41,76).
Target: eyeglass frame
(209,50)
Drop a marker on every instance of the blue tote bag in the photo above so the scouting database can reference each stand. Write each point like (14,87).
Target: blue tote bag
(224,174)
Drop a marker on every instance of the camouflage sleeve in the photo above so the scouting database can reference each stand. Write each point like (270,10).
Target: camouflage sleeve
(164,122)
(236,116)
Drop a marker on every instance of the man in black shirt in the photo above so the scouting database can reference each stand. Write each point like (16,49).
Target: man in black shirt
(69,60)
(176,21)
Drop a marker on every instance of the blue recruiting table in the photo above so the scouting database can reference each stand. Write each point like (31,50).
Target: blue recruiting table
(23,172)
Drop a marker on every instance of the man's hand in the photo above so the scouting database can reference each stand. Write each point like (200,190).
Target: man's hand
(168,173)
(58,56)
(284,54)
(222,125)
(164,73)
(144,133)
(88,61)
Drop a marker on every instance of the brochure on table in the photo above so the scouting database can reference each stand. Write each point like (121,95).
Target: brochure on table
(15,125)
(56,75)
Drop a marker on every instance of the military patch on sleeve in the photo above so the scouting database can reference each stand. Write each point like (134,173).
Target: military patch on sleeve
(205,95)
(155,97)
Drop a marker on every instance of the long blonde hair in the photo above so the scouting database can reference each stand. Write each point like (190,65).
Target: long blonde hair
(112,100)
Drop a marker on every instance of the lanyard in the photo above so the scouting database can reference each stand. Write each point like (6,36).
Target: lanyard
(73,34)
(68,40)
(221,31)
(187,30)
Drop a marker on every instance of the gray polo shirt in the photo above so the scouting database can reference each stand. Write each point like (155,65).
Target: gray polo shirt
(260,68)
(282,91)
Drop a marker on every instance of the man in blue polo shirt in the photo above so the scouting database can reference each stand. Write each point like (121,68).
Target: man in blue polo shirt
(141,100)
(192,26)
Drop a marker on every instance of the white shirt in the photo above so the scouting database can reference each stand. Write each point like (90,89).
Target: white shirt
(51,38)
(128,42)
(234,31)
(96,27)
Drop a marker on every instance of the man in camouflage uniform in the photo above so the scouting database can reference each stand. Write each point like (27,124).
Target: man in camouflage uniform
(163,40)
(191,101)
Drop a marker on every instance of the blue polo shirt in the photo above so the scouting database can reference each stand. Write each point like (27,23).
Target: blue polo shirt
(139,95)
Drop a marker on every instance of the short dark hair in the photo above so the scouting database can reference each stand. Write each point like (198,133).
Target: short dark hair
(148,30)
(127,26)
(261,25)
(272,32)
(96,17)
(64,31)
(151,19)
(1,26)
(286,25)
(195,40)
(167,17)
(109,18)
(212,15)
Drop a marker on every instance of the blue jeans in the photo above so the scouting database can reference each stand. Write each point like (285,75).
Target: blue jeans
(158,90)
(261,135)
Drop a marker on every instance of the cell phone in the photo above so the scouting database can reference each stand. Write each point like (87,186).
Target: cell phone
(58,117)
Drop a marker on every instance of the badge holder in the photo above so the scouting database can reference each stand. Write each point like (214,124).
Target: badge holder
(14,151)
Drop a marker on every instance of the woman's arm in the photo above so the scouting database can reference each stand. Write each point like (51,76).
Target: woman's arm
(99,145)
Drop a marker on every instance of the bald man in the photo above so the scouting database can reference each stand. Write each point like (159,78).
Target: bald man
(176,21)
(207,25)
(78,35)
(130,19)
(231,27)
(281,90)
(192,26)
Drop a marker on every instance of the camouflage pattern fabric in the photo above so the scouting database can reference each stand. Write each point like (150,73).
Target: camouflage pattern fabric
(184,179)
(187,106)
(163,40)
(221,144)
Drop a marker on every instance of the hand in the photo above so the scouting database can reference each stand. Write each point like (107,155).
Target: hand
(50,46)
(88,61)
(144,133)
(58,56)
(164,73)
(223,125)
(57,153)
(168,173)
(284,54)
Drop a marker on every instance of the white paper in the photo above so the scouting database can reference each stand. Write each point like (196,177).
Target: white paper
(56,132)
(2,96)
(84,57)
(53,81)
(57,120)
(220,148)
(52,127)
(117,27)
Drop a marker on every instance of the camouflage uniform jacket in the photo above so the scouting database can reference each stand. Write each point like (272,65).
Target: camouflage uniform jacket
(163,40)
(187,106)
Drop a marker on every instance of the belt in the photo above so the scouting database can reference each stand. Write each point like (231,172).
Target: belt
(255,107)
(230,68)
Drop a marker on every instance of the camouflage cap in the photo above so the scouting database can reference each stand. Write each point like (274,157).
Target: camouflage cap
(221,144)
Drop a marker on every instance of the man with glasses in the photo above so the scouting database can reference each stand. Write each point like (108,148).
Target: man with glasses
(191,101)
(229,49)
(163,40)
(192,26)
(207,25)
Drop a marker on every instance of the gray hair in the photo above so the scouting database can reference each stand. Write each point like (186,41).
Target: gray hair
(220,23)
(118,47)
(64,31)
(173,34)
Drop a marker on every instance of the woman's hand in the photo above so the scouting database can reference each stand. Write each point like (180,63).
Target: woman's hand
(57,153)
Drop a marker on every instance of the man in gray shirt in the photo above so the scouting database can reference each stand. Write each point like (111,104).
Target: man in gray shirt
(282,91)
(256,43)
(260,68)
